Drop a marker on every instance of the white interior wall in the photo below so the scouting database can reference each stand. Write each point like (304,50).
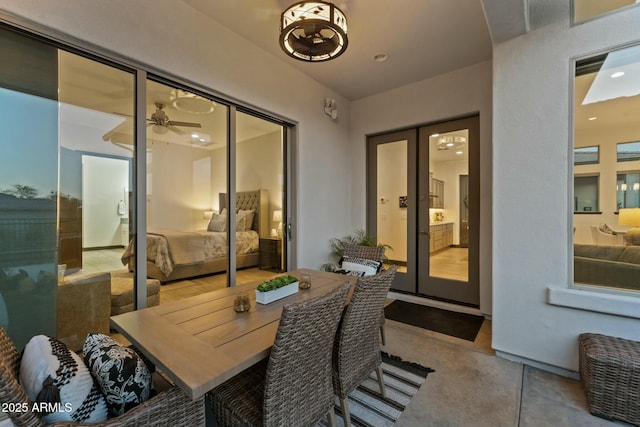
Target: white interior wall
(447,96)
(392,183)
(208,53)
(532,224)
(104,184)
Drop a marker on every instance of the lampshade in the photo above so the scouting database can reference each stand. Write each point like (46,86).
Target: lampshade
(630,217)
(313,31)
(277,216)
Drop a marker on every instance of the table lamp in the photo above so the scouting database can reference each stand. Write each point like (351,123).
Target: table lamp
(630,216)
(277,217)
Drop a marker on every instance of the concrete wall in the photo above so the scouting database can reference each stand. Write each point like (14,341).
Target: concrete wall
(447,96)
(532,210)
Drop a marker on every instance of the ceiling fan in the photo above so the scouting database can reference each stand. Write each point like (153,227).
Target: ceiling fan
(161,123)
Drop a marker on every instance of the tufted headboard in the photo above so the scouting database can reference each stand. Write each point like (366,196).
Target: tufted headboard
(257,200)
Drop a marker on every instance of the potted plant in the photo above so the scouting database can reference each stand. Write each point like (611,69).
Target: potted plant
(358,237)
(275,289)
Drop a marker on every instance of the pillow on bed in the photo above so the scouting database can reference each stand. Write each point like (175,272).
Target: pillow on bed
(244,219)
(218,222)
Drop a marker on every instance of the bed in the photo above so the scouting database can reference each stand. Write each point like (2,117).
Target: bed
(174,254)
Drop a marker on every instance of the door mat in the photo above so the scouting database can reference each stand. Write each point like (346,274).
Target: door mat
(459,325)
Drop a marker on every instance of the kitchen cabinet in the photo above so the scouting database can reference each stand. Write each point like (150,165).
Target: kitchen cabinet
(436,194)
(441,236)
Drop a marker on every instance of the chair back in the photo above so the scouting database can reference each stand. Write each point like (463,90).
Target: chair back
(375,253)
(298,389)
(357,344)
(10,389)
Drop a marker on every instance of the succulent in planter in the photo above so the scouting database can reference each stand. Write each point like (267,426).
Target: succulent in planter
(278,282)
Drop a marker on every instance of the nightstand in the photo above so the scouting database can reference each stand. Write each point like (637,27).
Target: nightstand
(270,254)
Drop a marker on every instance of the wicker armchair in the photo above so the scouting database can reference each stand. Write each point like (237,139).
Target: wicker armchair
(375,253)
(293,386)
(357,347)
(168,408)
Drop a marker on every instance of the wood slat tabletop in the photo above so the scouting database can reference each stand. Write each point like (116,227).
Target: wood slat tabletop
(200,342)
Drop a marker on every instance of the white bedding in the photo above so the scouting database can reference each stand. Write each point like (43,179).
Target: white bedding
(189,247)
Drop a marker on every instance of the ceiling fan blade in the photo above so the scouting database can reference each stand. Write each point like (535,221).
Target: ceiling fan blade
(175,129)
(186,124)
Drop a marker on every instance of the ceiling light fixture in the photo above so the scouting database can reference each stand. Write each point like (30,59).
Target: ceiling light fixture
(313,31)
(380,57)
(448,141)
(617,74)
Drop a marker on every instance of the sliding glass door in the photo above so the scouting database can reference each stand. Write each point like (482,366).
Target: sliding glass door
(94,155)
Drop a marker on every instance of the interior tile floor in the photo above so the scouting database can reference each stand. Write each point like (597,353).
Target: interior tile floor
(472,387)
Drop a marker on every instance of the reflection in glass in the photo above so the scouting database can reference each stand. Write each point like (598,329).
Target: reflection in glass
(260,170)
(628,190)
(606,102)
(186,186)
(586,155)
(391,200)
(628,151)
(449,205)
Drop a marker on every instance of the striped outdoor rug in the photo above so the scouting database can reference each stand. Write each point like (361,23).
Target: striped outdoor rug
(401,379)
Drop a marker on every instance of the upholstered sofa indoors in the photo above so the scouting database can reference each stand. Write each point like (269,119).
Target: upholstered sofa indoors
(617,266)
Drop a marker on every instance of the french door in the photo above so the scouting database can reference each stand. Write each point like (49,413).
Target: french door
(423,202)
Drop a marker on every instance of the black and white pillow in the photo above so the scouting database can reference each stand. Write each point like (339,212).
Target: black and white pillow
(122,375)
(55,377)
(367,266)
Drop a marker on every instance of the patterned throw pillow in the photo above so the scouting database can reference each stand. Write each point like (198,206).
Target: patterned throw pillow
(606,229)
(244,219)
(367,266)
(218,222)
(55,377)
(122,375)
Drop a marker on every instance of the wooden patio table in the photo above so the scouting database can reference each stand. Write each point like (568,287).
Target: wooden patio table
(200,342)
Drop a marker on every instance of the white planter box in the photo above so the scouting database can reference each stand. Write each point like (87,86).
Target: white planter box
(276,294)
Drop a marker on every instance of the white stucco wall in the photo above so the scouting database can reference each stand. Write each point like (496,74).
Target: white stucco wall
(451,95)
(175,38)
(532,213)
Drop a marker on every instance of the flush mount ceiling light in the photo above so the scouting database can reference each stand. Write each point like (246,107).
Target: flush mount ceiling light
(190,102)
(450,141)
(313,31)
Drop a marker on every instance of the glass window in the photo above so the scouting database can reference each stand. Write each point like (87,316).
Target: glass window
(628,190)
(64,189)
(586,155)
(606,102)
(260,190)
(588,9)
(628,151)
(586,193)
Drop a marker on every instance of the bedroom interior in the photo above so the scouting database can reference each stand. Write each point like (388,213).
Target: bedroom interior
(186,181)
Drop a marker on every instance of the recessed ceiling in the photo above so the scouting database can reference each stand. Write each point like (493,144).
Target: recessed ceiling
(421,39)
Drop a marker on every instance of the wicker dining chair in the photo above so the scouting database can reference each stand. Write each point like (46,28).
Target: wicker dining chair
(167,409)
(293,386)
(375,253)
(357,347)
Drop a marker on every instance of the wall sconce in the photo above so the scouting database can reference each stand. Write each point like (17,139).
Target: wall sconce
(331,108)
